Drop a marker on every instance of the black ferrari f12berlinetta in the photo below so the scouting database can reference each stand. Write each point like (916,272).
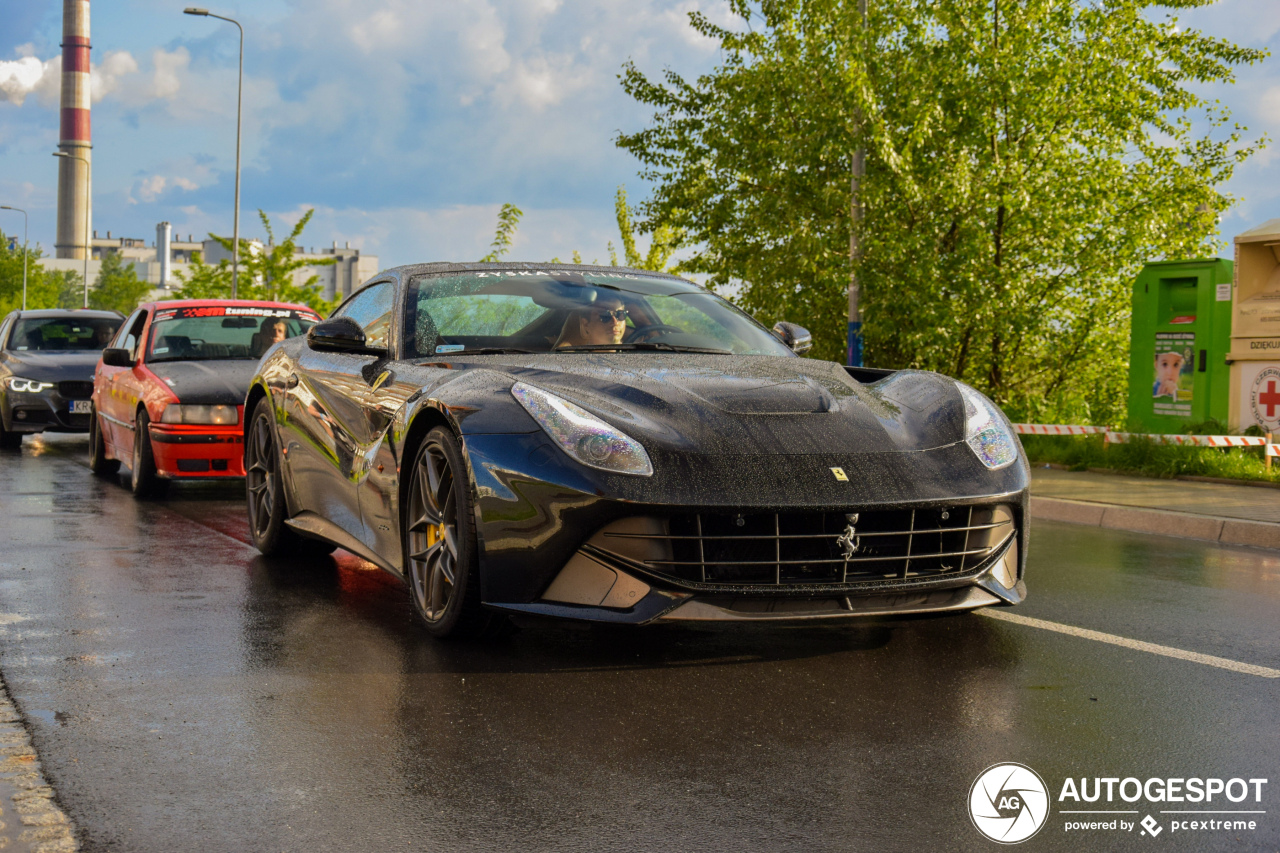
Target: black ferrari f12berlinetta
(624,446)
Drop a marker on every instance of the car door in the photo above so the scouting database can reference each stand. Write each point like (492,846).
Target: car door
(117,389)
(327,424)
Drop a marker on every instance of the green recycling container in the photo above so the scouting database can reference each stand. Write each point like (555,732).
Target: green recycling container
(1179,340)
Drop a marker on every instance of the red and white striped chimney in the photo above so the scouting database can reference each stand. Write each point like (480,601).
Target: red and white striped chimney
(75,205)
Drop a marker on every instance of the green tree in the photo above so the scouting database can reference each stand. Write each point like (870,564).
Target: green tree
(1022,161)
(118,287)
(665,238)
(268,274)
(508,223)
(663,245)
(43,286)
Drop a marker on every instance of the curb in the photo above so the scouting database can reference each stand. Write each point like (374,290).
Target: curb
(30,819)
(1185,525)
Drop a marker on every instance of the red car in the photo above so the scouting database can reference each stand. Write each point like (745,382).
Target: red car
(168,394)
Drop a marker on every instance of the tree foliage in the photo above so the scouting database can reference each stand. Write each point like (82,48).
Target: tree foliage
(44,287)
(1022,161)
(118,287)
(266,274)
(504,235)
(662,247)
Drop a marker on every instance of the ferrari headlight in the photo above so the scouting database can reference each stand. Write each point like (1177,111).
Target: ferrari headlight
(985,430)
(206,415)
(582,435)
(28,386)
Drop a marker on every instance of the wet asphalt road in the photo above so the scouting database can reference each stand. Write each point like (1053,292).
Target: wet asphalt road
(186,694)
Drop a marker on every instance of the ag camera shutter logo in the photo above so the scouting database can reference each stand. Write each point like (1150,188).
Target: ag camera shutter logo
(1008,803)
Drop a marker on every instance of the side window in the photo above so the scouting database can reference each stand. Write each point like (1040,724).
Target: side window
(4,331)
(371,308)
(131,333)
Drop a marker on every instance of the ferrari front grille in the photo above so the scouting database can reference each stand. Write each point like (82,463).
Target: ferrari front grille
(803,549)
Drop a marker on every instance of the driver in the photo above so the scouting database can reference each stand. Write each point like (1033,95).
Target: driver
(603,322)
(273,331)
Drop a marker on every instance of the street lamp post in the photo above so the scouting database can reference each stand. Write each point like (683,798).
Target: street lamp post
(88,244)
(24,251)
(235,227)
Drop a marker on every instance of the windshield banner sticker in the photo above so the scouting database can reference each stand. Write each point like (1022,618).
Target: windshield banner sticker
(232,311)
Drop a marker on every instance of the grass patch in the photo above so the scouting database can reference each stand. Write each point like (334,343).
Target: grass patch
(1146,458)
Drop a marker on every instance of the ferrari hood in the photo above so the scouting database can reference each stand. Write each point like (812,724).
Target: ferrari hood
(210,383)
(744,405)
(55,366)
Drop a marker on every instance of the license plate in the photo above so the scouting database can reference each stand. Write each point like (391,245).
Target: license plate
(81,407)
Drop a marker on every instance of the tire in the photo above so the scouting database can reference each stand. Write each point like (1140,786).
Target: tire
(9,440)
(99,464)
(441,564)
(143,480)
(264,493)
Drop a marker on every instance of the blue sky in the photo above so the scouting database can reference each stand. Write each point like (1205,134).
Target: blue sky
(407,123)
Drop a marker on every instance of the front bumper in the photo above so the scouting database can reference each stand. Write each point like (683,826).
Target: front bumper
(197,452)
(536,518)
(49,411)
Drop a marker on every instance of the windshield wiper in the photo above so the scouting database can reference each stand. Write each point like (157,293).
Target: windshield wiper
(647,345)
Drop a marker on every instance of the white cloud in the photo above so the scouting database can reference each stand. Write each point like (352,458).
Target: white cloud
(28,75)
(168,71)
(105,77)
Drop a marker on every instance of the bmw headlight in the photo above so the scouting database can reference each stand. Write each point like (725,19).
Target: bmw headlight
(206,415)
(28,386)
(986,431)
(582,435)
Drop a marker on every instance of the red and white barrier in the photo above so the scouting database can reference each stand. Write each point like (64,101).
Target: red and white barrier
(1192,440)
(1059,429)
(1113,437)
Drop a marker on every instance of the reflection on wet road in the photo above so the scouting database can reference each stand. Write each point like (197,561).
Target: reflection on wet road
(185,693)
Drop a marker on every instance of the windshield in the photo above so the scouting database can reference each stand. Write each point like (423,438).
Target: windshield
(570,311)
(63,334)
(222,332)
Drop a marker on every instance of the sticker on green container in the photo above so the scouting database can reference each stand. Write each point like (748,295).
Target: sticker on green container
(1175,361)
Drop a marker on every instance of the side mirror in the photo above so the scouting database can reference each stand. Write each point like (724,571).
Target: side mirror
(340,334)
(796,337)
(117,357)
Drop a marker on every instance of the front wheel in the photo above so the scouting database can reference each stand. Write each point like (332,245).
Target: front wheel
(264,492)
(9,440)
(144,482)
(440,542)
(99,464)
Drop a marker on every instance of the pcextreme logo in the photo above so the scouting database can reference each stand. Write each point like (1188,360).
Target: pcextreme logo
(1008,803)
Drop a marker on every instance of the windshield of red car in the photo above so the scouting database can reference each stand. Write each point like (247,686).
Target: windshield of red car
(223,332)
(63,334)
(575,311)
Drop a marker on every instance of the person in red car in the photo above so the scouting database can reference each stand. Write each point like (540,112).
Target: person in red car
(169,391)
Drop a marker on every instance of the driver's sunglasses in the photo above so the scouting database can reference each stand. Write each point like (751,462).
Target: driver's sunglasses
(617,315)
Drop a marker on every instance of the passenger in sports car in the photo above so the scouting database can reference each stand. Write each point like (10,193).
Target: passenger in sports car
(602,322)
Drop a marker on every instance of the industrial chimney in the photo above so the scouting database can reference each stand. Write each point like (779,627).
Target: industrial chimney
(74,176)
(164,251)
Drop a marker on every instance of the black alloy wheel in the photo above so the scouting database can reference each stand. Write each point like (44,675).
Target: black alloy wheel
(143,481)
(440,547)
(99,464)
(264,492)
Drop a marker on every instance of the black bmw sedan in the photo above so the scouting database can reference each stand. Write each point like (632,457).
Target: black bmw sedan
(624,446)
(46,369)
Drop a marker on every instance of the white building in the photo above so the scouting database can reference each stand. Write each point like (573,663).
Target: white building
(337,280)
